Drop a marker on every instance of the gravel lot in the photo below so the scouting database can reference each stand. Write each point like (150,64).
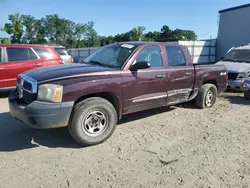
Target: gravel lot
(180,146)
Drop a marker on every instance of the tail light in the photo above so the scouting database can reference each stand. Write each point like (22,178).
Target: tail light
(71,60)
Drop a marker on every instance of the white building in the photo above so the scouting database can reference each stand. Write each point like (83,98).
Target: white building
(234,28)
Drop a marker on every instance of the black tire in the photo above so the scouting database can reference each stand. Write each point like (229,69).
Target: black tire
(80,115)
(247,95)
(201,100)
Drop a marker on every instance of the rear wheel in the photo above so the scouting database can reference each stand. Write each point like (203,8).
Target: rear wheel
(206,96)
(93,121)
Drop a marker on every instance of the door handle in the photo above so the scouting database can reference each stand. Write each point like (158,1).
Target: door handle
(37,65)
(160,76)
(188,73)
(1,69)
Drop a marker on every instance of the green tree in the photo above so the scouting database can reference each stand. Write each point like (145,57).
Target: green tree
(190,35)
(30,30)
(91,35)
(4,41)
(14,28)
(166,34)
(54,29)
(79,34)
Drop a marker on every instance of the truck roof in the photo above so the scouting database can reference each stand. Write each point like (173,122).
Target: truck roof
(145,42)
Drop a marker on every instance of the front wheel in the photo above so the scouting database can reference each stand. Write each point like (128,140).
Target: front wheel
(206,96)
(93,121)
(247,95)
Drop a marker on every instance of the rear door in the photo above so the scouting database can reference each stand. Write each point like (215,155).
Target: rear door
(3,82)
(19,60)
(180,75)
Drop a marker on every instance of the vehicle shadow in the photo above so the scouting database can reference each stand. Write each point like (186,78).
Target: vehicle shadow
(4,94)
(15,135)
(144,114)
(237,100)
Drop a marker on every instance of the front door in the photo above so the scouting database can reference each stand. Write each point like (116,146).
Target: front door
(146,88)
(19,59)
(180,76)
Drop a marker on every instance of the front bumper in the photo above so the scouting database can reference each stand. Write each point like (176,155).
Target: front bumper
(236,85)
(40,115)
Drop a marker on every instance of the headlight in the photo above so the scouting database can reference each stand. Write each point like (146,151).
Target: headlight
(246,84)
(50,93)
(241,75)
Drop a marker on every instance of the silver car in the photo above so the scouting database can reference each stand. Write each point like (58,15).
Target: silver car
(237,62)
(64,53)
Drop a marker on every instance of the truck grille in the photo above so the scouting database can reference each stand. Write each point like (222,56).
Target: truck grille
(26,88)
(232,76)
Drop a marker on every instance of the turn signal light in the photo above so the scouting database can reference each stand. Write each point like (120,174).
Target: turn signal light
(58,95)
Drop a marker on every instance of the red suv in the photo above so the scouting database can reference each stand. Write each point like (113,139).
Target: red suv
(18,58)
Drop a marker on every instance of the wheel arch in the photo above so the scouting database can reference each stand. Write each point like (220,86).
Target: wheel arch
(214,82)
(109,96)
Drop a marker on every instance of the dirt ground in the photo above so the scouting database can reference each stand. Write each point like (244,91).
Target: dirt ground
(180,146)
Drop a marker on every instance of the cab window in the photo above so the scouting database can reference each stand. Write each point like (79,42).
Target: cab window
(20,54)
(176,56)
(151,54)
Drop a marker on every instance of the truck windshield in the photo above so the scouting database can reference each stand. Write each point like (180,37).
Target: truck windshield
(113,56)
(238,56)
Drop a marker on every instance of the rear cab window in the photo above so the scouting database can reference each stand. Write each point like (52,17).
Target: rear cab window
(20,54)
(176,56)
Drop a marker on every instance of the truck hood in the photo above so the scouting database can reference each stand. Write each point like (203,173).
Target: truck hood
(235,67)
(55,72)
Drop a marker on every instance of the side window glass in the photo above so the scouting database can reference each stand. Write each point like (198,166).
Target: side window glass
(176,56)
(152,54)
(18,54)
(32,54)
(43,54)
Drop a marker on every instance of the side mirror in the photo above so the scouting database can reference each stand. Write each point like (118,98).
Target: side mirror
(140,65)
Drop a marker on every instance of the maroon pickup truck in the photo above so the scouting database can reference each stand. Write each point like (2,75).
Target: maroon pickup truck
(118,79)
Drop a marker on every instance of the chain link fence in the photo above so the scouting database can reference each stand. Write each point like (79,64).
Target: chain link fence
(79,54)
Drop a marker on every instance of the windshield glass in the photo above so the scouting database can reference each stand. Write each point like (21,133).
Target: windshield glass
(238,56)
(114,55)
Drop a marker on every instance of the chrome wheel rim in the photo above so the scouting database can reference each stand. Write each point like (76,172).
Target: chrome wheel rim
(209,98)
(95,123)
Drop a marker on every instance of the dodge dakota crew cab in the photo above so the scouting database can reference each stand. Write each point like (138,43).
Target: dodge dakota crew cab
(118,79)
